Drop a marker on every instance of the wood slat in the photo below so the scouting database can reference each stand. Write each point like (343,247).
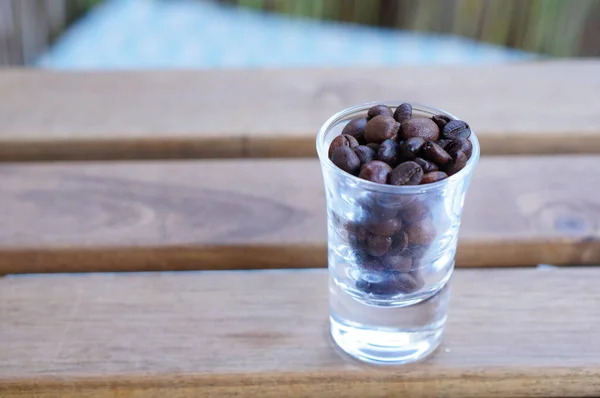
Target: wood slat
(529,108)
(270,213)
(525,333)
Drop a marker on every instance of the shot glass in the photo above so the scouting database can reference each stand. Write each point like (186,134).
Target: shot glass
(391,253)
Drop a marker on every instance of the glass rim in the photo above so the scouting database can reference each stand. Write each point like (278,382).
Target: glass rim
(399,189)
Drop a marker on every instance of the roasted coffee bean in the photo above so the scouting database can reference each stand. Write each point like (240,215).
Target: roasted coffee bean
(379,110)
(375,171)
(364,153)
(395,282)
(381,128)
(408,283)
(411,148)
(456,129)
(388,152)
(421,232)
(440,120)
(444,143)
(385,227)
(356,128)
(462,144)
(355,228)
(458,162)
(342,140)
(345,158)
(426,165)
(435,153)
(403,113)
(397,262)
(378,245)
(433,177)
(377,287)
(374,146)
(407,173)
(419,127)
(399,242)
(414,211)
(358,238)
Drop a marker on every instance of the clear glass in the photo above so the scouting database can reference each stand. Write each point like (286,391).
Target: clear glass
(389,305)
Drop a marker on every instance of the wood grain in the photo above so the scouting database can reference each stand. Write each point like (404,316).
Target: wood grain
(276,113)
(510,333)
(270,213)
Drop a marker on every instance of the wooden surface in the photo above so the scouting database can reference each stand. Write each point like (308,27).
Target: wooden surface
(542,107)
(510,333)
(270,213)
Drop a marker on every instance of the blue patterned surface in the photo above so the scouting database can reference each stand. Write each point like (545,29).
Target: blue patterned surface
(205,34)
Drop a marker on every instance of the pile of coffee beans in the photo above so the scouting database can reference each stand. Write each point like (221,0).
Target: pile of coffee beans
(388,245)
(395,148)
(390,236)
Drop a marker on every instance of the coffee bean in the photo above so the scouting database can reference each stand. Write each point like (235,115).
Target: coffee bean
(379,110)
(345,158)
(407,173)
(403,113)
(435,153)
(440,120)
(342,140)
(398,262)
(385,227)
(375,171)
(357,239)
(458,162)
(381,128)
(411,148)
(384,287)
(426,165)
(408,283)
(378,245)
(364,153)
(456,129)
(462,144)
(391,283)
(356,128)
(352,227)
(388,152)
(433,177)
(419,127)
(414,211)
(421,232)
(399,242)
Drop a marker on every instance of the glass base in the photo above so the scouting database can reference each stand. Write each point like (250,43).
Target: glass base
(393,347)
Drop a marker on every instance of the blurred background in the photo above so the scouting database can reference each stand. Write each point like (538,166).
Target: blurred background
(104,34)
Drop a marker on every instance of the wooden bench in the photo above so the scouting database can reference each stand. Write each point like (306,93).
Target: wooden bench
(188,171)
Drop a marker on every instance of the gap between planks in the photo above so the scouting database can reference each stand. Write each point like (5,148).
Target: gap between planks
(519,332)
(243,214)
(47,115)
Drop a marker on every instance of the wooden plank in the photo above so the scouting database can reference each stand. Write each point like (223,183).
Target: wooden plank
(526,333)
(198,114)
(270,213)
